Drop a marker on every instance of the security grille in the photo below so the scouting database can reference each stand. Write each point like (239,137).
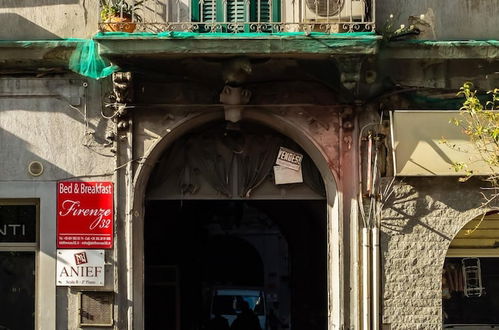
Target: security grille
(243,16)
(96,309)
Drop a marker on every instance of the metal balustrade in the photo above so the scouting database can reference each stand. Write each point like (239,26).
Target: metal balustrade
(239,16)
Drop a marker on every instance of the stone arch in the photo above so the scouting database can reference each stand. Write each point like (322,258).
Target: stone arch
(418,225)
(285,126)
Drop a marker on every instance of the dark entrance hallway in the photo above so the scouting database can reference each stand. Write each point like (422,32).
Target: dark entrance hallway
(194,246)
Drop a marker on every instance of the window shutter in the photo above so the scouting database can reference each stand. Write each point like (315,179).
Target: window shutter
(265,11)
(209,9)
(237,11)
(262,8)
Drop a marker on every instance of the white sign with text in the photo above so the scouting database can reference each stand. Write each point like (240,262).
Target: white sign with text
(285,175)
(289,158)
(80,268)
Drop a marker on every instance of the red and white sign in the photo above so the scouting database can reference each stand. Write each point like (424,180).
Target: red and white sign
(85,215)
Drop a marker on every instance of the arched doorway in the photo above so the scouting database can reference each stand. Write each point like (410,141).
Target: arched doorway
(217,217)
(231,259)
(331,286)
(470,279)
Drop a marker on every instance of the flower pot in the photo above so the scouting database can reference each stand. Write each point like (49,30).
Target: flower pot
(118,24)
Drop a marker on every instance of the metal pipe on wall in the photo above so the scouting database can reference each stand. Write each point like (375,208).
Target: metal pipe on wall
(366,277)
(365,295)
(129,222)
(371,285)
(374,234)
(376,278)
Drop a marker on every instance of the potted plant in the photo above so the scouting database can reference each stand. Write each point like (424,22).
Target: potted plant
(120,15)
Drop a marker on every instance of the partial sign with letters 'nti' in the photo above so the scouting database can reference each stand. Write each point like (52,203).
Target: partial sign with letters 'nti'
(85,215)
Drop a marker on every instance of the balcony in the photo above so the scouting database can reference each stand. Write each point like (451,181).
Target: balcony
(248,16)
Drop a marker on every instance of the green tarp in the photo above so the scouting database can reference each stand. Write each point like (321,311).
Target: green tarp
(86,61)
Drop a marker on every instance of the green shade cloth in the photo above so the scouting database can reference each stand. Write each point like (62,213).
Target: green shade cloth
(86,61)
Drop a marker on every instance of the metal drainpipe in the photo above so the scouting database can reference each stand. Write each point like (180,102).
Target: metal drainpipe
(366,294)
(367,251)
(375,247)
(129,223)
(375,278)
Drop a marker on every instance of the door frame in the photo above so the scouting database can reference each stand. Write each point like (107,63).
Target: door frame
(135,208)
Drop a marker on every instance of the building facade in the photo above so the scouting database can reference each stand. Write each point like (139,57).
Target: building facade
(284,153)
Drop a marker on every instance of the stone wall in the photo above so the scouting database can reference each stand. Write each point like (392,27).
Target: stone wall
(449,19)
(419,222)
(56,121)
(48,19)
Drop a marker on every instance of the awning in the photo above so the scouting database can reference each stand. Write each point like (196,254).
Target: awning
(426,143)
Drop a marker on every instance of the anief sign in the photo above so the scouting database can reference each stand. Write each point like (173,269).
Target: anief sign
(80,268)
(85,215)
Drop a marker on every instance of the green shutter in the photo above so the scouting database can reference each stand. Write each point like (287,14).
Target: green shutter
(276,10)
(209,8)
(195,10)
(261,7)
(266,12)
(236,11)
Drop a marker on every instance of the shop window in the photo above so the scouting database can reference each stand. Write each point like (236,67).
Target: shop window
(18,248)
(470,292)
(470,277)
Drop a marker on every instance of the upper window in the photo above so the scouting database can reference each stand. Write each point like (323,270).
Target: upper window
(236,15)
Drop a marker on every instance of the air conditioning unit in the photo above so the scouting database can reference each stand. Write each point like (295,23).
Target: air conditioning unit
(321,11)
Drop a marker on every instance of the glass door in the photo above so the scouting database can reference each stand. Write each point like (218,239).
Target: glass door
(17,290)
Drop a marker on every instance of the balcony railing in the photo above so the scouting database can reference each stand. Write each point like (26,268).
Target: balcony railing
(240,16)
